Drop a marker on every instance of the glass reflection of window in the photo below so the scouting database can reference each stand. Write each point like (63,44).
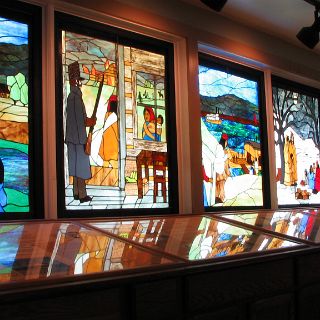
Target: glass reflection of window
(297,142)
(9,245)
(231,142)
(79,251)
(217,239)
(14,114)
(147,231)
(131,80)
(95,253)
(247,218)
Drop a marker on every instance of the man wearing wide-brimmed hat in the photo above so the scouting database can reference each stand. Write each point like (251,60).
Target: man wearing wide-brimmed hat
(76,135)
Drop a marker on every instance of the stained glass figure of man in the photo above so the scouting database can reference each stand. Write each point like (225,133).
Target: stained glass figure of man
(76,135)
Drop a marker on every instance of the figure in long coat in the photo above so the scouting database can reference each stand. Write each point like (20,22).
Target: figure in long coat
(76,136)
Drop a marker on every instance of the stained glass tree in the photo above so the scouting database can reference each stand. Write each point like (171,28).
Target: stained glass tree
(297,137)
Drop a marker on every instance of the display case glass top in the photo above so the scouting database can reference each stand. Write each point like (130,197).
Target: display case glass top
(37,251)
(193,237)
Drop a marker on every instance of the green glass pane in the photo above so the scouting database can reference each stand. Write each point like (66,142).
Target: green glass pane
(11,80)
(20,79)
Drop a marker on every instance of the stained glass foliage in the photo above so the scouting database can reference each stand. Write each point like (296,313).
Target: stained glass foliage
(14,128)
(120,108)
(297,143)
(230,132)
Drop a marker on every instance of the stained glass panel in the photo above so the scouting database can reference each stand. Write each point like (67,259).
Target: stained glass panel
(231,140)
(114,100)
(14,116)
(297,142)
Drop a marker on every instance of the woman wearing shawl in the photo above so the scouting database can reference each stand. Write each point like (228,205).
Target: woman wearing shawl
(109,147)
(149,126)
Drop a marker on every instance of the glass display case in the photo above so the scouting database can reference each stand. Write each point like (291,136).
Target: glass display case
(62,251)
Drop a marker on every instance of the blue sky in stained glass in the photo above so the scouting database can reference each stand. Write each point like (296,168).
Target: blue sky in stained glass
(13,32)
(214,83)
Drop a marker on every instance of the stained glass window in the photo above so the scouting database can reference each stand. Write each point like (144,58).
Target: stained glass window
(114,110)
(232,162)
(297,142)
(18,106)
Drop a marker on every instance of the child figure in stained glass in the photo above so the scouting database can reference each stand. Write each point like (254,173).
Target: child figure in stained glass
(159,127)
(311,177)
(3,195)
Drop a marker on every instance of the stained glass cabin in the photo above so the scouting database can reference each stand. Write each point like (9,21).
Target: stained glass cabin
(231,140)
(128,159)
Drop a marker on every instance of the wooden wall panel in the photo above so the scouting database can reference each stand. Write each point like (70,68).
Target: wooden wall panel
(308,268)
(231,313)
(93,305)
(158,300)
(280,307)
(220,288)
(308,303)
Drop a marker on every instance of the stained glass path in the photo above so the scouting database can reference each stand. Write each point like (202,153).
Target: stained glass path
(104,197)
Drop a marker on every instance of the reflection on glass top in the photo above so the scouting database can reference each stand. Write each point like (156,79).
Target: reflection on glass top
(193,238)
(43,250)
(301,224)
